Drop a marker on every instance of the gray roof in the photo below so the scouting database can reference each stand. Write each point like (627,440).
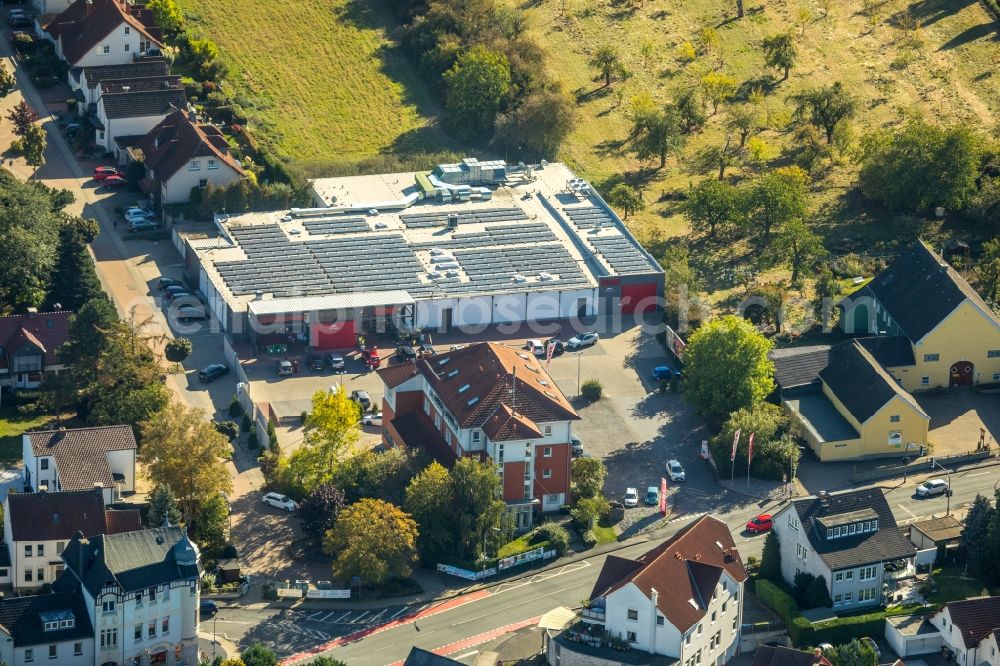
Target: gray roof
(818,415)
(82,453)
(21,616)
(142,97)
(860,383)
(890,350)
(888,543)
(799,366)
(132,560)
(145,67)
(919,289)
(418,657)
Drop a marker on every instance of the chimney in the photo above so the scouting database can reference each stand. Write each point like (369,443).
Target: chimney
(32,313)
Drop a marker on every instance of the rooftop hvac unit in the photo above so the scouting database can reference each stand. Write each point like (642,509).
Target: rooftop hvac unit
(451,274)
(452,221)
(545,276)
(434,275)
(446,266)
(381,225)
(442,258)
(436,252)
(519,279)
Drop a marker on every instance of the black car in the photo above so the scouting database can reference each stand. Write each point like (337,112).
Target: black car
(22,21)
(315,362)
(208,607)
(560,346)
(212,372)
(406,352)
(164,282)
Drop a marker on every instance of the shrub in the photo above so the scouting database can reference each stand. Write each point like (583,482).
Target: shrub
(245,423)
(589,538)
(555,535)
(592,390)
(235,408)
(228,428)
(229,551)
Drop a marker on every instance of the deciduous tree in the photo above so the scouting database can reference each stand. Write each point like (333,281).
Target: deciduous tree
(656,133)
(587,476)
(854,653)
(167,15)
(481,516)
(319,510)
(33,145)
(538,125)
(211,524)
(331,435)
(7,80)
(258,655)
(744,120)
(797,245)
(625,197)
(776,198)
(429,501)
(22,116)
(988,270)
(608,63)
(780,52)
(177,349)
(826,107)
(712,205)
(690,109)
(717,88)
(374,540)
(182,449)
(475,86)
(727,367)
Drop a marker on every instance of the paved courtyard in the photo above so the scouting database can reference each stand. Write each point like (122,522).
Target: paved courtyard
(957,418)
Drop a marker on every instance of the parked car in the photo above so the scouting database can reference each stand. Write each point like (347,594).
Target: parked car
(72,128)
(139,224)
(664,372)
(406,353)
(22,21)
(164,282)
(169,292)
(315,362)
(212,372)
(188,312)
(426,350)
(535,347)
(371,358)
(631,497)
(362,398)
(207,607)
(114,181)
(456,347)
(102,172)
(652,496)
(560,346)
(583,340)
(675,470)
(932,487)
(283,367)
(372,420)
(279,501)
(136,214)
(761,523)
(576,446)
(873,645)
(336,361)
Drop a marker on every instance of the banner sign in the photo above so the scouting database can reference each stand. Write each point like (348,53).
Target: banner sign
(663,495)
(465,573)
(328,594)
(675,344)
(293,592)
(524,558)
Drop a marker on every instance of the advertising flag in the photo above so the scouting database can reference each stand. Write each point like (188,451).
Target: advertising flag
(750,449)
(736,442)
(550,349)
(663,496)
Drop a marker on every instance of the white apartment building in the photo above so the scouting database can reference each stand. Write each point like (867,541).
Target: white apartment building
(80,459)
(46,628)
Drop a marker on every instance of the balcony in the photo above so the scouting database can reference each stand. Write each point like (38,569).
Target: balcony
(594,615)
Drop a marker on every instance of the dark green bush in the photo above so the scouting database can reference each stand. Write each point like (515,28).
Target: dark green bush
(556,536)
(235,408)
(589,538)
(592,390)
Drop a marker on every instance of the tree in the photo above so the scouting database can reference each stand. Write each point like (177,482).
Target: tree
(776,198)
(167,15)
(474,88)
(717,88)
(539,124)
(744,120)
(608,63)
(826,107)
(739,9)
(429,501)
(182,449)
(228,429)
(625,197)
(33,145)
(780,53)
(482,521)
(163,508)
(74,280)
(89,329)
(589,509)
(727,367)
(331,432)
(690,109)
(854,653)
(319,510)
(656,133)
(22,117)
(770,559)
(902,169)
(7,80)
(258,655)
(816,595)
(712,204)
(988,270)
(797,245)
(587,476)
(231,661)
(177,349)
(326,661)
(211,524)
(974,536)
(774,450)
(374,540)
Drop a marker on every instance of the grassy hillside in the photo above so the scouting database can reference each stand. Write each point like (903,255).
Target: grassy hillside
(326,81)
(934,57)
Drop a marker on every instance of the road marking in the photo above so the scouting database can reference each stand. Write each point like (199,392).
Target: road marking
(492,612)
(977,474)
(358,618)
(479,639)
(912,515)
(538,578)
(325,617)
(342,617)
(466,654)
(375,617)
(400,612)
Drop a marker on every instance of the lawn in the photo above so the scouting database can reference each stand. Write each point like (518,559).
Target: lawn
(952,585)
(324,80)
(12,426)
(604,533)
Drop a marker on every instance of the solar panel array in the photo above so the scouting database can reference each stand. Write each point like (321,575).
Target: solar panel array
(588,217)
(423,220)
(493,269)
(621,255)
(296,274)
(381,262)
(336,225)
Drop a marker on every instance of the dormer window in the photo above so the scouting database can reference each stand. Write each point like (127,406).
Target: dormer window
(463,388)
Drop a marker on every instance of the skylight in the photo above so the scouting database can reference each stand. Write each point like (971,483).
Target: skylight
(444,360)
(453,372)
(542,382)
(473,401)
(463,388)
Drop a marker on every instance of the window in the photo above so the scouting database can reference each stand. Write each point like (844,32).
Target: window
(836,532)
(894,418)
(41,550)
(867,573)
(929,358)
(547,452)
(793,523)
(106,49)
(713,616)
(29,654)
(4,572)
(848,597)
(67,624)
(203,183)
(633,614)
(60,547)
(630,636)
(993,353)
(108,606)
(996,376)
(924,381)
(50,626)
(152,594)
(852,528)
(77,649)
(27,575)
(127,29)
(152,628)
(723,608)
(476,436)
(165,625)
(166,593)
(127,47)
(109,638)
(138,599)
(895,438)
(735,621)
(547,430)
(43,463)
(659,620)
(137,632)
(194,165)
(829,533)
(546,473)
(867,594)
(213,164)
(28,549)
(849,575)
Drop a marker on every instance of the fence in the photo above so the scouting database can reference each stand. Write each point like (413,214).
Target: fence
(502,565)
(899,469)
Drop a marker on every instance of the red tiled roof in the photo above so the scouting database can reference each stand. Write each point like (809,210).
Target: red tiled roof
(394,375)
(82,453)
(176,140)
(47,330)
(83,25)
(122,520)
(684,570)
(55,516)
(504,425)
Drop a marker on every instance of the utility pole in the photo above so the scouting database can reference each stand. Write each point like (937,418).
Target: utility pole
(947,494)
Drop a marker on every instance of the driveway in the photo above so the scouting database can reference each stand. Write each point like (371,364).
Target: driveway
(958,418)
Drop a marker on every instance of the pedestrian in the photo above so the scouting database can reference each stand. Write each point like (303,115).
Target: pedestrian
(295,366)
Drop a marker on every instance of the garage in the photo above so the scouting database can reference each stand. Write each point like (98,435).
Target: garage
(638,297)
(911,635)
(338,335)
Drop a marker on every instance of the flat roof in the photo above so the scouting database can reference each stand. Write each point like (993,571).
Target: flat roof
(379,233)
(821,418)
(838,519)
(332,302)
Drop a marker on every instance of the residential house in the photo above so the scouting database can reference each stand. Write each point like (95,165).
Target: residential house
(46,628)
(778,655)
(141,591)
(132,107)
(180,154)
(849,539)
(101,32)
(489,400)
(86,81)
(966,631)
(418,657)
(934,533)
(682,599)
(80,459)
(28,346)
(848,406)
(37,527)
(953,332)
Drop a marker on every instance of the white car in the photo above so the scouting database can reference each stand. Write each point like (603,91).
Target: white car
(932,487)
(583,340)
(535,347)
(675,470)
(372,420)
(136,214)
(631,497)
(279,501)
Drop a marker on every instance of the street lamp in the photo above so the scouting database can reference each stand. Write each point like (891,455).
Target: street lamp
(947,494)
(906,458)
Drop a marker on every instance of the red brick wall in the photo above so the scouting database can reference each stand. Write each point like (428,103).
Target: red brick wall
(408,401)
(559,463)
(513,481)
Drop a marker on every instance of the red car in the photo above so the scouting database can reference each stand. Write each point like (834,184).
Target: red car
(114,181)
(370,357)
(103,172)
(761,523)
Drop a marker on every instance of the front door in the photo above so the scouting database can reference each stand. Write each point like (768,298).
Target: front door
(861,318)
(446,320)
(961,373)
